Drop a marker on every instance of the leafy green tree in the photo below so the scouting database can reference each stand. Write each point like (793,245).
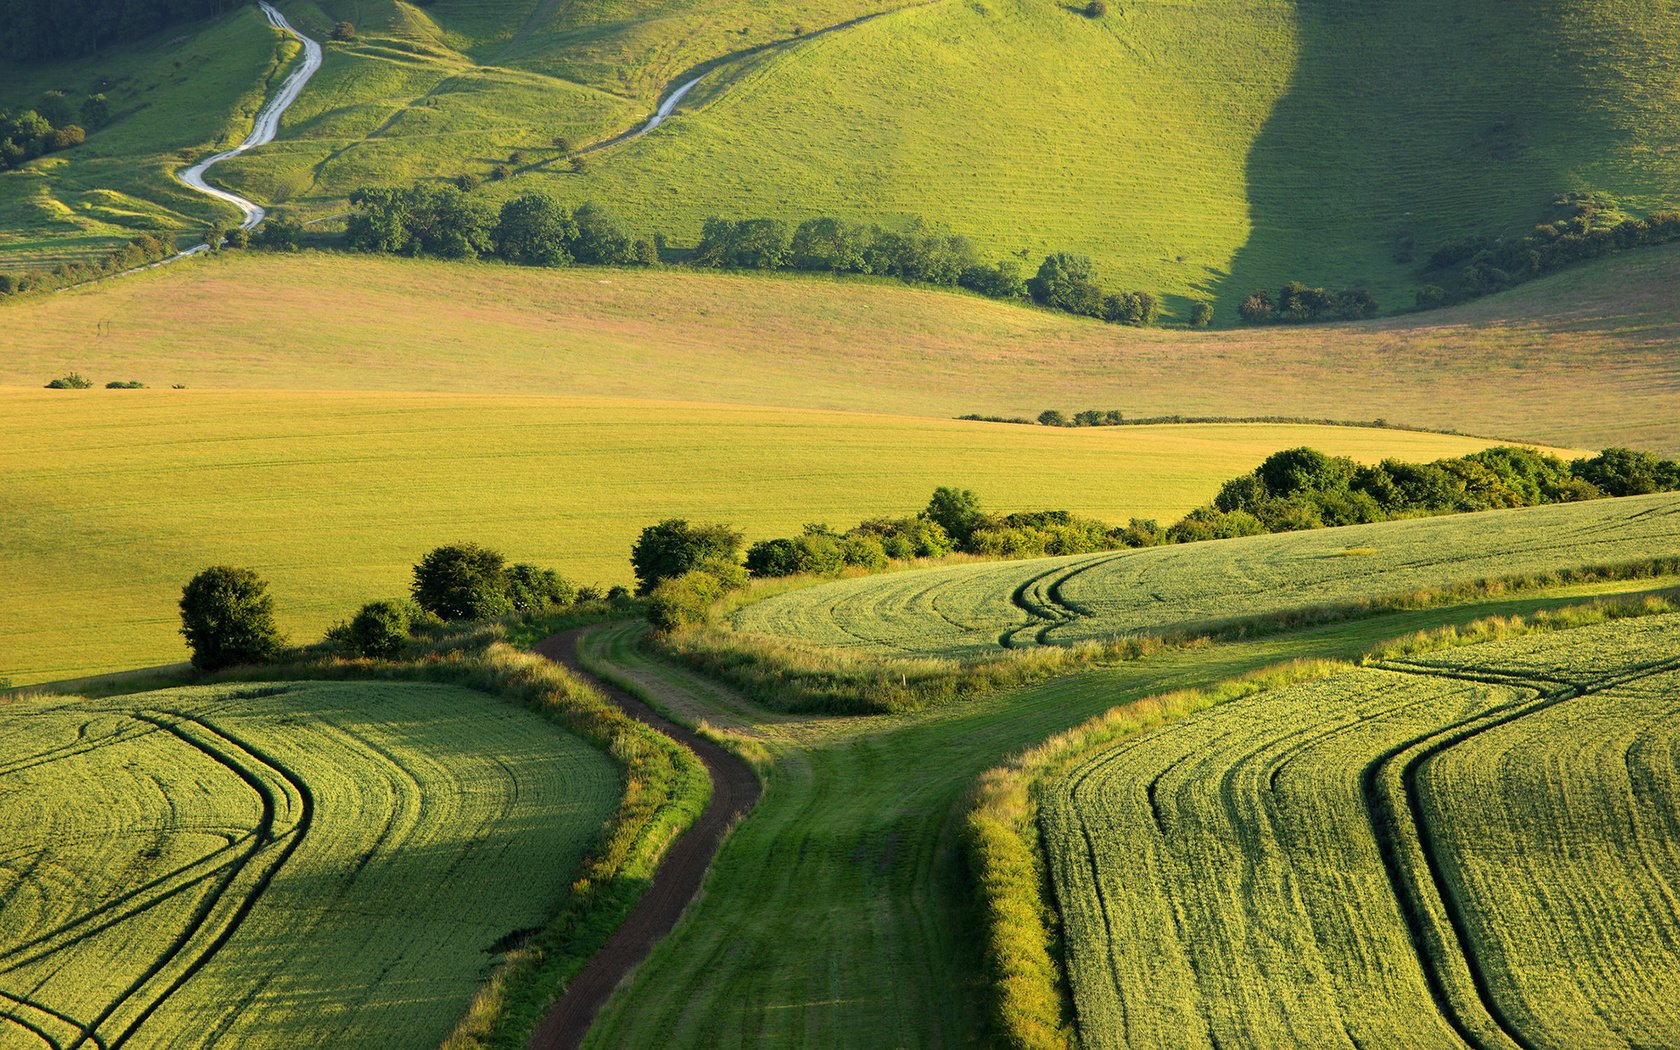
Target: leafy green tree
(1068,282)
(532,589)
(601,238)
(1627,472)
(535,230)
(462,581)
(1304,470)
(95,112)
(674,547)
(227,617)
(379,629)
(1052,417)
(683,599)
(957,511)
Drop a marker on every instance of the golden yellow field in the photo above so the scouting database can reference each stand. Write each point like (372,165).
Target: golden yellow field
(1584,358)
(114,497)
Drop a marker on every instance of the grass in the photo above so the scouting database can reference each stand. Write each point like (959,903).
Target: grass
(843,907)
(175,95)
(268,865)
(967,611)
(1581,359)
(1200,151)
(120,496)
(1454,815)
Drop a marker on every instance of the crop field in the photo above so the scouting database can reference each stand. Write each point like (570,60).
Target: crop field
(295,864)
(978,609)
(115,498)
(1582,359)
(1473,848)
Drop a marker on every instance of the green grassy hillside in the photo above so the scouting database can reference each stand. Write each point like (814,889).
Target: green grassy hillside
(1200,151)
(1469,849)
(969,610)
(1582,359)
(292,864)
(120,496)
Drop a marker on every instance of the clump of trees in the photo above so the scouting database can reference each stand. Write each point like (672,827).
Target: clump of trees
(1296,303)
(440,219)
(466,581)
(1588,226)
(73,381)
(227,617)
(683,568)
(1303,488)
(1069,282)
(1090,417)
(47,128)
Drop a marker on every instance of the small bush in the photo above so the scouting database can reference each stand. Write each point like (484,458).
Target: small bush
(1201,315)
(532,589)
(500,172)
(131,384)
(1096,9)
(73,381)
(683,600)
(227,617)
(379,630)
(343,32)
(239,237)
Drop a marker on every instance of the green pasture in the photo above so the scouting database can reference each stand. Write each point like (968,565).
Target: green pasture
(117,497)
(979,609)
(1473,848)
(279,865)
(843,906)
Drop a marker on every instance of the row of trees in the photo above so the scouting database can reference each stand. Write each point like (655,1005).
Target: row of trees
(142,250)
(227,614)
(36,29)
(439,219)
(1303,488)
(54,124)
(1591,226)
(1296,303)
(445,220)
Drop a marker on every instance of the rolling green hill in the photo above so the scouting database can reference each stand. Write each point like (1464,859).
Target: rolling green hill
(969,610)
(1201,151)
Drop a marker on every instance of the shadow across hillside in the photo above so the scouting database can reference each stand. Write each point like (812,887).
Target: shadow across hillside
(1406,127)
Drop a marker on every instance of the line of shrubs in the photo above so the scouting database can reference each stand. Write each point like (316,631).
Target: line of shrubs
(1052,417)
(446,220)
(684,569)
(141,251)
(1297,303)
(77,381)
(1590,226)
(227,614)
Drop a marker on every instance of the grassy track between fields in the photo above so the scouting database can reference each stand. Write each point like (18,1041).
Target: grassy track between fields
(843,907)
(118,497)
(288,864)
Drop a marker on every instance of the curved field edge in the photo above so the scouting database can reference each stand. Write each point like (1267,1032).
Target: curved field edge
(295,840)
(1029,995)
(665,789)
(978,610)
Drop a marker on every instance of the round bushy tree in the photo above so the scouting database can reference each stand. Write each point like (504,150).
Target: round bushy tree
(955,510)
(462,581)
(531,588)
(227,617)
(379,629)
(674,547)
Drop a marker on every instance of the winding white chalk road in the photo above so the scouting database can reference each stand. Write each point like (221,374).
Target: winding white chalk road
(263,132)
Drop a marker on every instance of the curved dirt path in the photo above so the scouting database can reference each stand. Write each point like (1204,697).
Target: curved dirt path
(262,132)
(677,880)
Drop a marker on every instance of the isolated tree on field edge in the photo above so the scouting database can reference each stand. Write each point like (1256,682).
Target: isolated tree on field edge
(227,617)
